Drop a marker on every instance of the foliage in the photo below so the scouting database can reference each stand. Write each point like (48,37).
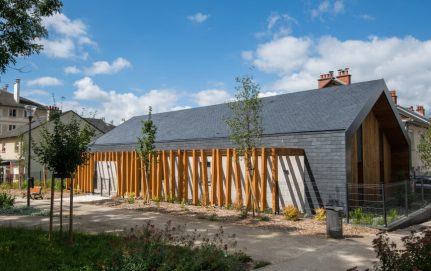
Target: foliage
(131,198)
(245,125)
(392,215)
(320,214)
(264,218)
(291,213)
(21,28)
(139,248)
(63,149)
(146,149)
(23,210)
(416,254)
(6,200)
(424,148)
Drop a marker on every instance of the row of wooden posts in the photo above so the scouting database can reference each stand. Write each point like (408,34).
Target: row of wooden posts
(173,179)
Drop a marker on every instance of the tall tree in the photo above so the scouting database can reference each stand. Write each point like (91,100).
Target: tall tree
(424,148)
(147,150)
(21,28)
(62,149)
(246,124)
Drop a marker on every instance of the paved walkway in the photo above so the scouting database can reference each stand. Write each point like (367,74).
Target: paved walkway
(285,251)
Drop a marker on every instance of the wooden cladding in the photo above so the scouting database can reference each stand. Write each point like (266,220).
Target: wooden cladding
(208,177)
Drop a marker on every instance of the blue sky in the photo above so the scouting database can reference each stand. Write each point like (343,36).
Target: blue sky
(115,58)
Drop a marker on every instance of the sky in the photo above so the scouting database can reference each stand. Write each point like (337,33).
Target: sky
(113,59)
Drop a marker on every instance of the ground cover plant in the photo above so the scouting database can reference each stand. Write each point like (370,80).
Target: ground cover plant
(138,248)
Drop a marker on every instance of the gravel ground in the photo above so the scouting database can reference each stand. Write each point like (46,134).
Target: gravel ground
(305,226)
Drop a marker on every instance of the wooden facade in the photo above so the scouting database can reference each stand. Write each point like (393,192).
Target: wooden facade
(208,177)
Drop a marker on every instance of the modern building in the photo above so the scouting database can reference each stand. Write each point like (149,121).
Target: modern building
(349,134)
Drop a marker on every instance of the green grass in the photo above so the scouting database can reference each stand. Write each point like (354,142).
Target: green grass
(145,248)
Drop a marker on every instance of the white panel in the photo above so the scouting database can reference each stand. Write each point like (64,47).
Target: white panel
(291,183)
(106,178)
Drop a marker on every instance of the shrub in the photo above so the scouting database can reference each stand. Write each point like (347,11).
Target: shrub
(131,198)
(416,254)
(392,215)
(264,218)
(320,214)
(6,200)
(291,213)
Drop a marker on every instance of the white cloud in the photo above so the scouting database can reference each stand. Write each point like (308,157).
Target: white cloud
(45,81)
(176,108)
(278,25)
(247,55)
(104,67)
(72,70)
(68,37)
(405,63)
(211,96)
(366,17)
(198,17)
(35,92)
(116,106)
(328,7)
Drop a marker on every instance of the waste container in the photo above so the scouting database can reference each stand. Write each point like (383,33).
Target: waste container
(334,222)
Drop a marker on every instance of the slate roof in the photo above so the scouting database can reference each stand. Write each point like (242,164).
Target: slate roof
(101,124)
(6,99)
(328,109)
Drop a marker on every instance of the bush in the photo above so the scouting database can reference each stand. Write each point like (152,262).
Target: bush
(416,254)
(6,200)
(291,213)
(131,198)
(320,214)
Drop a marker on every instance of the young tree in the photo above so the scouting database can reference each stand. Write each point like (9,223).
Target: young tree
(62,150)
(246,124)
(21,28)
(146,149)
(424,148)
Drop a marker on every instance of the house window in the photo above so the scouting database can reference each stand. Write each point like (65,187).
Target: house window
(12,112)
(3,148)
(16,147)
(25,113)
(12,127)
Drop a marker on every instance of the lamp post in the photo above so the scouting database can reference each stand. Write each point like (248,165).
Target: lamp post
(29,109)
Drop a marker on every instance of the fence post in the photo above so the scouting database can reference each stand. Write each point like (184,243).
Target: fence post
(422,191)
(384,204)
(347,203)
(406,198)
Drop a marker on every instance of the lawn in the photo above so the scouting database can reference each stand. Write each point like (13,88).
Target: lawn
(144,248)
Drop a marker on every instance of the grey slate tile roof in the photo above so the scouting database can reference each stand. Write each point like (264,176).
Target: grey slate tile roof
(327,109)
(100,124)
(6,99)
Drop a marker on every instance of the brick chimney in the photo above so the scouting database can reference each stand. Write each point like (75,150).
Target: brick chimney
(16,90)
(420,110)
(344,76)
(325,79)
(51,110)
(394,95)
(410,108)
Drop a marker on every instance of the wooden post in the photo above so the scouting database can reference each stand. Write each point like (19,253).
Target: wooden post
(228,178)
(238,185)
(172,174)
(159,175)
(195,177)
(165,175)
(117,171)
(180,175)
(274,178)
(153,187)
(220,194)
(255,180)
(135,167)
(186,177)
(213,177)
(204,175)
(247,182)
(263,180)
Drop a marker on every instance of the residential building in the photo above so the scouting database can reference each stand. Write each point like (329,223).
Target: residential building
(14,144)
(349,134)
(416,124)
(12,112)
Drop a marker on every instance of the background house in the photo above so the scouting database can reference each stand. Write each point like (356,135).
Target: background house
(350,133)
(14,146)
(416,124)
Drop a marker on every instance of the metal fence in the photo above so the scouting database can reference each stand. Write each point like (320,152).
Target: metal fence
(382,204)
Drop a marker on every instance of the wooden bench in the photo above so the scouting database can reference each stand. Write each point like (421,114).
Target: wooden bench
(35,193)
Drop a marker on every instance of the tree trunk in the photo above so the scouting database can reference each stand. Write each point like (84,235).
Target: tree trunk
(71,212)
(51,210)
(61,206)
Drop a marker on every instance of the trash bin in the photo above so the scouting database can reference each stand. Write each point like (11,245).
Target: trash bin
(334,222)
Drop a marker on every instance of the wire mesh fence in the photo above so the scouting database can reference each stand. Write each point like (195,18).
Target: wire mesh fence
(382,204)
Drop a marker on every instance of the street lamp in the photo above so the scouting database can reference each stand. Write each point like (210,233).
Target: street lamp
(29,110)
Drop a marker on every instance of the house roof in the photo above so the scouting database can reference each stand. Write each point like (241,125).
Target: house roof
(7,99)
(327,109)
(101,124)
(413,116)
(36,123)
